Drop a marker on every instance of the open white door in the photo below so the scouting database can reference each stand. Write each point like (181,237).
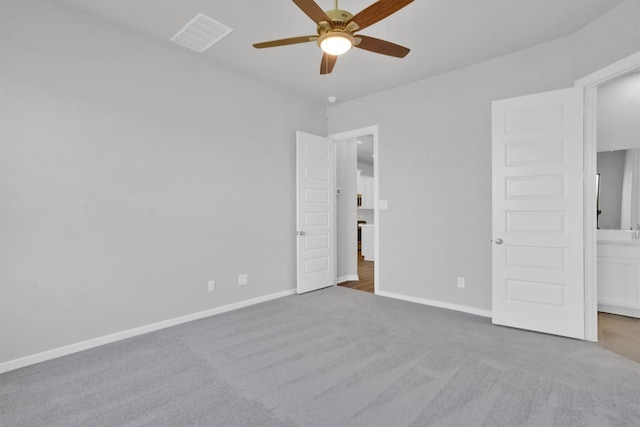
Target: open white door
(538,212)
(315,184)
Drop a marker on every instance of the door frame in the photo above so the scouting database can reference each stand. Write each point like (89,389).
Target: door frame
(590,84)
(341,136)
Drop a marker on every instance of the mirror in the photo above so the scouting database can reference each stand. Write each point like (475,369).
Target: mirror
(619,189)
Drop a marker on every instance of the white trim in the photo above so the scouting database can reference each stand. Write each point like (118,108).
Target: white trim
(590,219)
(617,69)
(335,212)
(107,339)
(590,85)
(439,304)
(617,309)
(370,130)
(376,211)
(348,278)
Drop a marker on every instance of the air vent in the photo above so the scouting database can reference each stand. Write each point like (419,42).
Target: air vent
(201,33)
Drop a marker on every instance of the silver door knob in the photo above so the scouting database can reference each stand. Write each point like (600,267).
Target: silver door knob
(498,241)
(301,233)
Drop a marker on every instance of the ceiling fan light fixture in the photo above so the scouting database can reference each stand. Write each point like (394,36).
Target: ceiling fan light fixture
(336,43)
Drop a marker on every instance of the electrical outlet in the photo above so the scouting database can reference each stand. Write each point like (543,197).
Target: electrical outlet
(212,285)
(461,282)
(243,279)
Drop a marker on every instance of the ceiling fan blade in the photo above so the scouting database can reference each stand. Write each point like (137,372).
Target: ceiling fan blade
(377,11)
(313,11)
(381,46)
(327,64)
(284,42)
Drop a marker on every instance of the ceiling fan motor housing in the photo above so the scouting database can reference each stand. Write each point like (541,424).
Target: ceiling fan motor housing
(339,19)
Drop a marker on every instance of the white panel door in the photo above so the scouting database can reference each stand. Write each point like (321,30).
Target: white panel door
(315,170)
(537,256)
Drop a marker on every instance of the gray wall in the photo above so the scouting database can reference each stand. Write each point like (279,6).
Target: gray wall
(131,173)
(435,156)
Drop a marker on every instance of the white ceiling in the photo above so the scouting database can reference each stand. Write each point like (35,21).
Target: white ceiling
(443,35)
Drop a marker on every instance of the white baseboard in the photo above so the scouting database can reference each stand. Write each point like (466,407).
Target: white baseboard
(439,304)
(107,339)
(348,278)
(616,309)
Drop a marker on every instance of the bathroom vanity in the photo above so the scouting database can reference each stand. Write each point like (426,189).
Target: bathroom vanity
(619,272)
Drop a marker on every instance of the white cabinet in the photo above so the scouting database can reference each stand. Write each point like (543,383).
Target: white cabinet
(367,242)
(619,277)
(365,191)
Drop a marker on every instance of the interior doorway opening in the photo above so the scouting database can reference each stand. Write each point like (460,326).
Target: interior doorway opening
(618,214)
(357,219)
(590,85)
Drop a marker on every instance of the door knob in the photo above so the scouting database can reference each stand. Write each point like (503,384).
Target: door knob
(498,241)
(301,233)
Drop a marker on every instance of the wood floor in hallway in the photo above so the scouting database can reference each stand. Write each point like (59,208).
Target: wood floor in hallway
(365,274)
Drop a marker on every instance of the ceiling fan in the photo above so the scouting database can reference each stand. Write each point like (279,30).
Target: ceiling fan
(336,31)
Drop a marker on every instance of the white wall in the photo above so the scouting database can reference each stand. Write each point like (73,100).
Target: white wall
(131,173)
(435,156)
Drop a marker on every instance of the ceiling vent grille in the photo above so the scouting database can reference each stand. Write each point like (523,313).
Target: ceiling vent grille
(201,33)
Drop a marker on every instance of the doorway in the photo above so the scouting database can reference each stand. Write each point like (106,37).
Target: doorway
(589,85)
(357,218)
(618,215)
(365,217)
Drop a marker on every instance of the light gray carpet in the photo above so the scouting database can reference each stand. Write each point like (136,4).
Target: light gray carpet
(335,357)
